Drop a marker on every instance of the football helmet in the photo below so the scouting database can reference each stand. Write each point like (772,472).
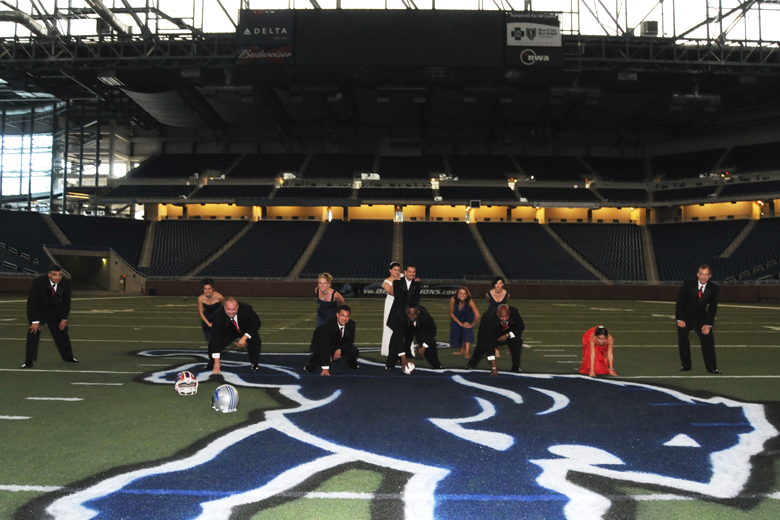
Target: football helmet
(186,383)
(225,399)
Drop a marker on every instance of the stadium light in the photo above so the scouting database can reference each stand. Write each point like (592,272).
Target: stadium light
(108,77)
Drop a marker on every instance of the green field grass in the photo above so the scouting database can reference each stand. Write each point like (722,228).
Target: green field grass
(127,423)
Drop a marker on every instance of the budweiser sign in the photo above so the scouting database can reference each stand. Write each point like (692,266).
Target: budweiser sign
(275,55)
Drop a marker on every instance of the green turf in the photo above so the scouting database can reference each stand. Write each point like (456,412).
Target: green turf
(66,442)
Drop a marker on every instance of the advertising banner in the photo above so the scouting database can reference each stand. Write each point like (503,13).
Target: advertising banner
(533,39)
(266,36)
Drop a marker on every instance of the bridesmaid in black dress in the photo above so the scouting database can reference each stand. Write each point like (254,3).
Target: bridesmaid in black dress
(208,303)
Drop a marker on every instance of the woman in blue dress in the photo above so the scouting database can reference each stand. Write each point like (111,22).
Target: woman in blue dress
(464,314)
(208,303)
(328,298)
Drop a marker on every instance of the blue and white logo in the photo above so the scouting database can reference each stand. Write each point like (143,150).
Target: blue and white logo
(461,444)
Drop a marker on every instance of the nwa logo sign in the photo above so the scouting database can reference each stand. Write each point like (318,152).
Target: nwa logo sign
(529,57)
(517,446)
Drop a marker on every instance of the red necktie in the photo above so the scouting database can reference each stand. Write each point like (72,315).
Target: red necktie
(341,333)
(235,324)
(53,293)
(505,326)
(700,291)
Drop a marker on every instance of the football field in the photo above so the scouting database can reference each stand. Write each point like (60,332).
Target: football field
(110,437)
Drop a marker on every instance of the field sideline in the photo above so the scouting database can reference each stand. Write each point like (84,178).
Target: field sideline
(64,425)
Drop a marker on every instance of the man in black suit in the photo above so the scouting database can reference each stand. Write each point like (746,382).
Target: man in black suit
(334,339)
(502,326)
(234,320)
(49,303)
(406,291)
(420,326)
(697,304)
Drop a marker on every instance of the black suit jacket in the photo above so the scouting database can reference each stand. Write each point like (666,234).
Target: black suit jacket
(401,298)
(490,328)
(691,308)
(424,331)
(42,307)
(223,330)
(327,340)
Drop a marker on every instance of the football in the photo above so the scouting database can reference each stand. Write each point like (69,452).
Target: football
(409,368)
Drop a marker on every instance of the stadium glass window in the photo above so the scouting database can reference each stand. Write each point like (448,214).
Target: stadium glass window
(23,158)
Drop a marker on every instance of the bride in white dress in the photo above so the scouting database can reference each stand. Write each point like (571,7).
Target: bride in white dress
(387,285)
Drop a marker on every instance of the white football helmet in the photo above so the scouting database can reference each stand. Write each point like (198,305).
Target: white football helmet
(225,399)
(186,383)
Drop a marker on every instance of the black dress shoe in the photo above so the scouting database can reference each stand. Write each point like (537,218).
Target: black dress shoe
(683,369)
(71,360)
(715,371)
(469,367)
(516,370)
(388,369)
(307,368)
(208,368)
(27,364)
(255,367)
(355,367)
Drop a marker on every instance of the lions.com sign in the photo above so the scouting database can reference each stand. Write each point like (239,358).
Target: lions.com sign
(533,39)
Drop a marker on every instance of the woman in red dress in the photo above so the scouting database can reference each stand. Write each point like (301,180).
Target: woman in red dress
(597,357)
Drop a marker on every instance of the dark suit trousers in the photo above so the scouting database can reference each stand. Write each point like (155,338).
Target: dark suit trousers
(397,342)
(431,352)
(319,356)
(707,344)
(515,347)
(61,339)
(253,346)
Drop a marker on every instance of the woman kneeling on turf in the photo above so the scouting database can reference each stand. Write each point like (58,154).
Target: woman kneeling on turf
(597,356)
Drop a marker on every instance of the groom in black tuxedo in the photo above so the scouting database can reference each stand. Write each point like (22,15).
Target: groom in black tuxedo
(697,303)
(234,321)
(49,304)
(406,291)
(334,339)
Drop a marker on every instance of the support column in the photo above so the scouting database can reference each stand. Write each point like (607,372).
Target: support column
(30,164)
(65,154)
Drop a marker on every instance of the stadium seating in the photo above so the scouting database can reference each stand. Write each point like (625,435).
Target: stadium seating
(741,189)
(125,236)
(391,194)
(758,248)
(357,249)
(313,193)
(615,249)
(333,166)
(553,168)
(618,169)
(624,195)
(698,192)
(423,167)
(180,245)
(533,194)
(233,191)
(753,158)
(685,165)
(255,165)
(27,233)
(21,264)
(481,193)
(183,165)
(482,167)
(155,192)
(527,252)
(681,247)
(268,250)
(444,250)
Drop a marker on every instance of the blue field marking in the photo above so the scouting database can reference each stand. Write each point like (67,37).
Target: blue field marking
(467,445)
(673,404)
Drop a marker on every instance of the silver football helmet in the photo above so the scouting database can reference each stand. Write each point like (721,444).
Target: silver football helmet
(186,383)
(225,399)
